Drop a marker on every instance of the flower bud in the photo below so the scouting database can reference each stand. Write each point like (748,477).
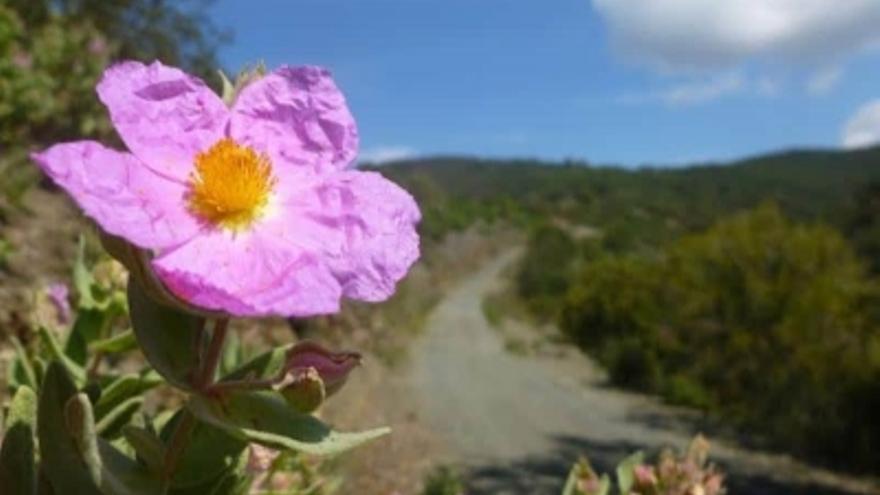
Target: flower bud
(332,367)
(260,458)
(59,296)
(645,477)
(303,390)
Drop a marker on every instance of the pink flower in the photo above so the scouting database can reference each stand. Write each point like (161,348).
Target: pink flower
(250,210)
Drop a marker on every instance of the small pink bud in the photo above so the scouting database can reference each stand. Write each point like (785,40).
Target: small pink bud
(59,295)
(714,484)
(645,476)
(332,367)
(97,46)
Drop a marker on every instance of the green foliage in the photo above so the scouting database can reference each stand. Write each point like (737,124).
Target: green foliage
(94,437)
(170,340)
(443,481)
(265,418)
(544,273)
(17,471)
(762,321)
(52,53)
(637,210)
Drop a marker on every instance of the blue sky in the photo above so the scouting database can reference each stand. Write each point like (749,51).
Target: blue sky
(608,81)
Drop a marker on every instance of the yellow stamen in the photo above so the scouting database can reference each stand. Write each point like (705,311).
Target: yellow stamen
(231,184)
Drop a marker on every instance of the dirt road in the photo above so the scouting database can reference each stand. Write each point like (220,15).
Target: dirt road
(515,424)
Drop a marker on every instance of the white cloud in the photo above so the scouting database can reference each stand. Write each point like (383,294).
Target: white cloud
(385,154)
(708,34)
(824,81)
(863,129)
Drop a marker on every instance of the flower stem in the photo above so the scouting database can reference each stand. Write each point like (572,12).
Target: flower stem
(215,349)
(202,382)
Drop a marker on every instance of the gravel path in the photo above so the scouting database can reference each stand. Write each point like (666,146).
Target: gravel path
(515,424)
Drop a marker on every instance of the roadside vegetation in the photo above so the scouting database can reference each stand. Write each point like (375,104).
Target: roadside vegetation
(748,291)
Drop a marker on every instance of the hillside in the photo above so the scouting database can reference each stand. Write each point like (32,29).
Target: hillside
(808,185)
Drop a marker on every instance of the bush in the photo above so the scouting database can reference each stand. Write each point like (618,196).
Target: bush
(544,272)
(764,322)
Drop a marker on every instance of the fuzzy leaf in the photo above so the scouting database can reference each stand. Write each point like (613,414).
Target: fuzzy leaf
(169,338)
(65,432)
(122,389)
(90,325)
(265,418)
(17,470)
(147,446)
(210,453)
(22,370)
(54,347)
(61,461)
(121,342)
(110,425)
(80,421)
(82,277)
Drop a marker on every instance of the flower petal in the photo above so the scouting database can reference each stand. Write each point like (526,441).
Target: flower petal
(164,115)
(122,195)
(299,117)
(376,224)
(258,273)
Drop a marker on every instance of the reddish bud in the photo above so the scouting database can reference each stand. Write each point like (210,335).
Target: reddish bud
(332,367)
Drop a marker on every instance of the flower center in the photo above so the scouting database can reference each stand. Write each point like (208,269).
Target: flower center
(231,184)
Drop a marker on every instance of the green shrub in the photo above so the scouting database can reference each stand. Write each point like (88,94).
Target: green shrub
(767,323)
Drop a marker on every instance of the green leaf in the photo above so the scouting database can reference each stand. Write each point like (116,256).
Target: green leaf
(266,365)
(67,431)
(90,324)
(265,418)
(111,424)
(123,476)
(233,481)
(570,487)
(60,458)
(210,452)
(232,354)
(169,338)
(51,342)
(626,472)
(147,445)
(17,471)
(604,485)
(80,421)
(121,342)
(82,277)
(124,388)
(22,370)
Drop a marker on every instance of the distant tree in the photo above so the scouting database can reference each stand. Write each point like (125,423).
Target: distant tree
(863,225)
(52,53)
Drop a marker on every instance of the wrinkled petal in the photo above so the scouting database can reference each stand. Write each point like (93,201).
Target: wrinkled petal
(122,195)
(258,273)
(299,117)
(375,224)
(164,115)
